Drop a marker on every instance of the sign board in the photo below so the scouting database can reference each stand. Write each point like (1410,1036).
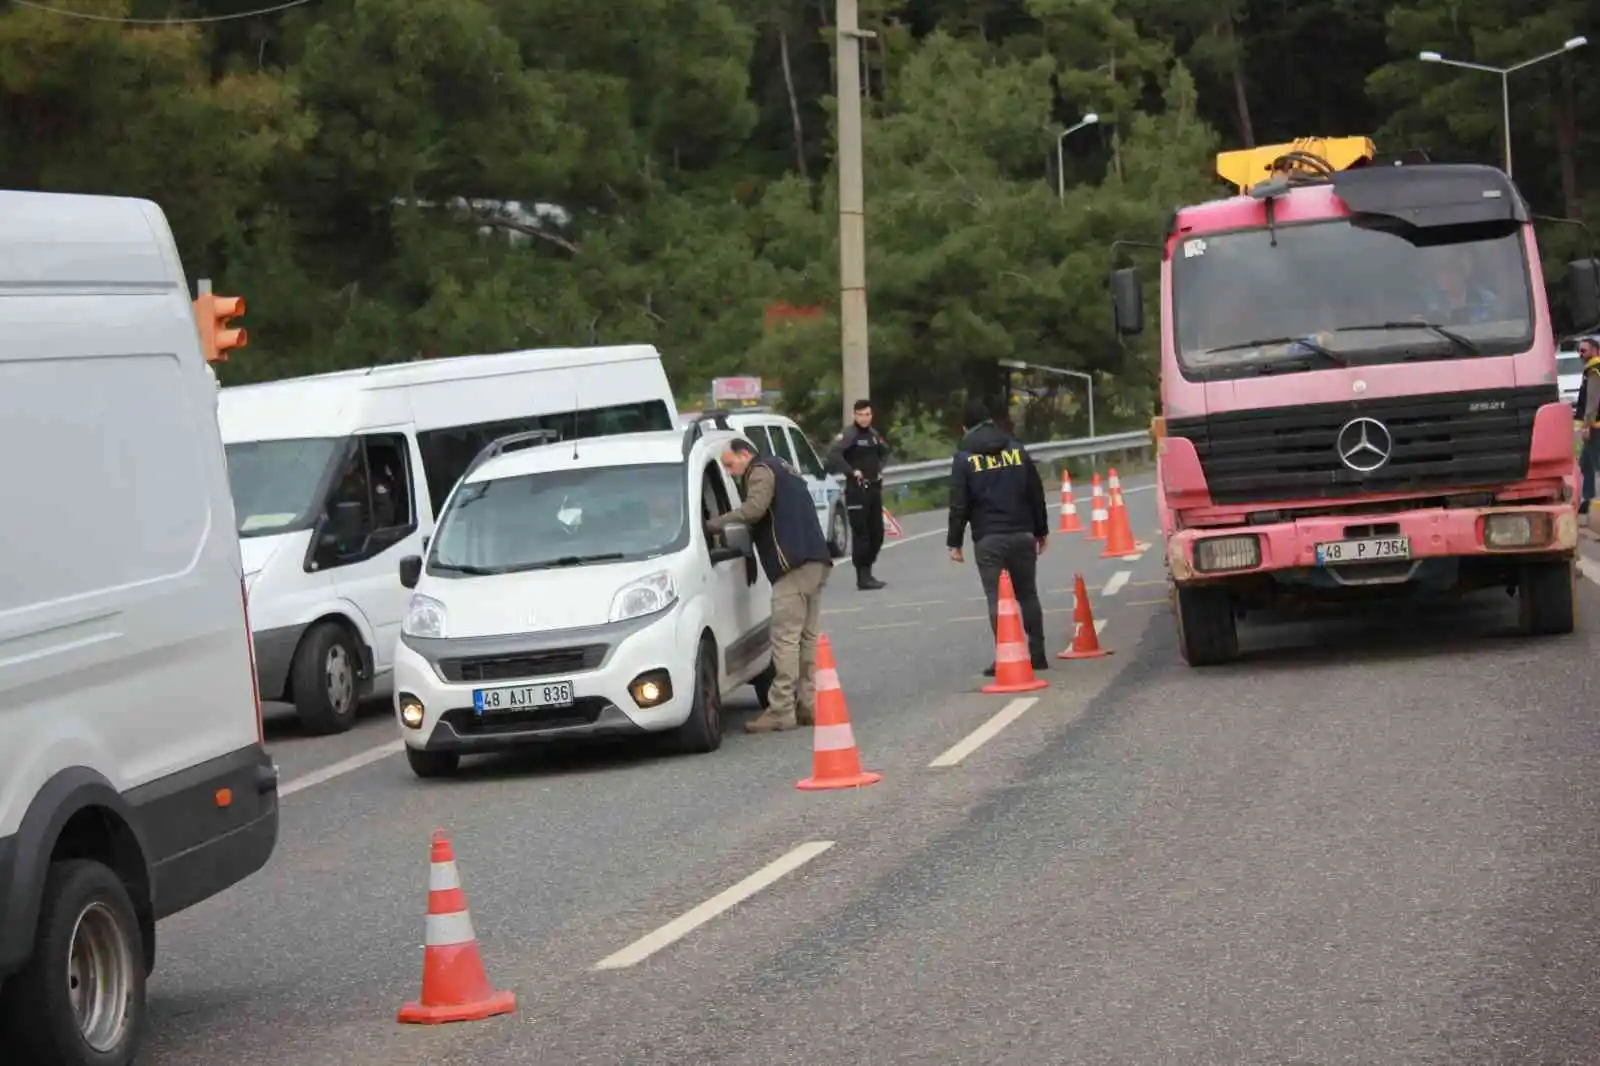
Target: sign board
(891,528)
(736,390)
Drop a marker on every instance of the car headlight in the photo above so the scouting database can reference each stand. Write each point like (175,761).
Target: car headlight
(424,617)
(645,596)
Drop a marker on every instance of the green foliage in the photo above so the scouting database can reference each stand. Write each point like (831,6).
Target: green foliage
(398,179)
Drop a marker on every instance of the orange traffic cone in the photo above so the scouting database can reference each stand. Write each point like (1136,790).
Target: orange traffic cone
(1097,511)
(1119,532)
(1085,641)
(835,759)
(1013,666)
(454,986)
(1069,506)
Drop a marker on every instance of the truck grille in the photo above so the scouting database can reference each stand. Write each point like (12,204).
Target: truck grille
(520,665)
(1438,442)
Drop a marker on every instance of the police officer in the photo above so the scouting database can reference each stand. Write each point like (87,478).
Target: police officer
(789,542)
(1587,410)
(859,454)
(995,488)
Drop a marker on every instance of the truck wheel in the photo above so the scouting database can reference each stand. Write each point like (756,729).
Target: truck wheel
(1548,598)
(326,679)
(701,732)
(1208,635)
(432,763)
(81,999)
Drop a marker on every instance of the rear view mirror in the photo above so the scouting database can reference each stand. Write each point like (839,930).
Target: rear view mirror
(737,538)
(1127,301)
(410,571)
(1583,293)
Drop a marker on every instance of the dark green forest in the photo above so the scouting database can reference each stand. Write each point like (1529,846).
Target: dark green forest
(397,179)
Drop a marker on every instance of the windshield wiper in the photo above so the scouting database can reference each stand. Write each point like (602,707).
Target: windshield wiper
(1460,343)
(567,560)
(1305,343)
(474,571)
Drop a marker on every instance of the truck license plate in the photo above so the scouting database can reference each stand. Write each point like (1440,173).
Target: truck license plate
(1368,550)
(522,697)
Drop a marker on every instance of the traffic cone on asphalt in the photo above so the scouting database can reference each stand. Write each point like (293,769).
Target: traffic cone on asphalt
(1097,511)
(454,986)
(1069,506)
(835,759)
(1085,641)
(1013,666)
(1119,532)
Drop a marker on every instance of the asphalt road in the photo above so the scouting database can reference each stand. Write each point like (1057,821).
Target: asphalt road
(1373,841)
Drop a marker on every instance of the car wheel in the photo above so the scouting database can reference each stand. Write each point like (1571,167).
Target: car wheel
(432,763)
(327,679)
(839,533)
(81,999)
(702,731)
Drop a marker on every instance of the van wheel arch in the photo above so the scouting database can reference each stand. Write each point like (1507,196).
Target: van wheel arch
(78,815)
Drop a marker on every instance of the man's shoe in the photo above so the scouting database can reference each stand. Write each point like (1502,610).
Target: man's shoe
(865,582)
(988,671)
(1040,660)
(767,722)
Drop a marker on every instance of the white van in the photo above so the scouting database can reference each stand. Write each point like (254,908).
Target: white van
(336,477)
(133,780)
(572,592)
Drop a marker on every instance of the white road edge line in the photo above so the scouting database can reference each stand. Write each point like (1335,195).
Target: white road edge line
(688,922)
(340,768)
(985,732)
(895,543)
(1116,582)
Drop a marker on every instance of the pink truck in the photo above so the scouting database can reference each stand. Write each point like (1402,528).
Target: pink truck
(1358,388)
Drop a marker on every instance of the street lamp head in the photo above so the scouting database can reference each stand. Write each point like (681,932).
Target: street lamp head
(1576,42)
(1430,57)
(1091,118)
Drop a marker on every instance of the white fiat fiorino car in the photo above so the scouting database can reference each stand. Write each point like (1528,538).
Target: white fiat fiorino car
(571,592)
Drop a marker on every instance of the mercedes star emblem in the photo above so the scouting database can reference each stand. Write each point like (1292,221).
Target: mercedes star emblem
(1364,444)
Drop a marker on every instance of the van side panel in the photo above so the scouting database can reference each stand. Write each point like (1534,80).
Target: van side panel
(123,643)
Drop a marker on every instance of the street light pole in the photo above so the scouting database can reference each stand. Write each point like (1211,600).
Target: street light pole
(855,378)
(1061,157)
(1505,79)
(1017,364)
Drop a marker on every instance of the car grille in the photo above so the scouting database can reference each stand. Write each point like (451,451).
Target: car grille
(1440,441)
(519,666)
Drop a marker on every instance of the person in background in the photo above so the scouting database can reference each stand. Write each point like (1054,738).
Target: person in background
(789,542)
(860,454)
(1588,412)
(995,488)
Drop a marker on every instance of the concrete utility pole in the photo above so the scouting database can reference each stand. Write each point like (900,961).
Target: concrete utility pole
(856,381)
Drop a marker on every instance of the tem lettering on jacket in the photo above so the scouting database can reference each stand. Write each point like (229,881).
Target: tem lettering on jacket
(1007,458)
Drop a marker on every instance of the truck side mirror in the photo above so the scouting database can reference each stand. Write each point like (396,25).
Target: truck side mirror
(1583,293)
(410,571)
(1127,301)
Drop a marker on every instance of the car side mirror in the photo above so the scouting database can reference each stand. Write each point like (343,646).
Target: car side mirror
(737,538)
(1583,293)
(1127,301)
(410,571)
(344,521)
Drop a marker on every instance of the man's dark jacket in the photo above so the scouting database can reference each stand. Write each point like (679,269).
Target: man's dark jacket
(995,487)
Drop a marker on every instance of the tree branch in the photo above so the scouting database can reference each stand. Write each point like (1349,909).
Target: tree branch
(501,222)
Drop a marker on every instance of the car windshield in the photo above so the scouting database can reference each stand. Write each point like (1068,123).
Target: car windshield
(1330,293)
(562,518)
(274,482)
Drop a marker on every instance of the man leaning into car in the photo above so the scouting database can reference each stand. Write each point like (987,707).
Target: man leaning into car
(788,540)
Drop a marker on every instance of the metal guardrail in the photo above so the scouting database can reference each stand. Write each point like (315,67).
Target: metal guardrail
(1048,451)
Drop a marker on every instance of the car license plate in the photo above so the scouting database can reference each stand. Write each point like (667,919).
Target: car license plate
(1367,550)
(522,697)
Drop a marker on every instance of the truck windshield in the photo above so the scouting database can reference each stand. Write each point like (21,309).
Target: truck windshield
(275,482)
(1332,294)
(562,518)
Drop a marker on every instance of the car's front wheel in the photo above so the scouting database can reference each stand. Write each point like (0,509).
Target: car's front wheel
(701,732)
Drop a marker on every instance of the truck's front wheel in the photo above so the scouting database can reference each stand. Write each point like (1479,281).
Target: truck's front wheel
(1548,598)
(1207,633)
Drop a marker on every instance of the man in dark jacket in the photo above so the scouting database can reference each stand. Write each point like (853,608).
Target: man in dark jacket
(859,454)
(995,487)
(789,542)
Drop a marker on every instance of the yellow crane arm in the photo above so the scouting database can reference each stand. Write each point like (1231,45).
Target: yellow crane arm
(1245,167)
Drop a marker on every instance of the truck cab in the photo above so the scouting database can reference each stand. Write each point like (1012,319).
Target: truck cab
(1359,391)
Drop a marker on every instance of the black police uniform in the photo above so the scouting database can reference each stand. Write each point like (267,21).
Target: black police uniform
(995,487)
(865,450)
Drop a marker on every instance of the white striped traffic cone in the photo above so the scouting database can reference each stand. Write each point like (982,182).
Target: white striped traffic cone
(454,986)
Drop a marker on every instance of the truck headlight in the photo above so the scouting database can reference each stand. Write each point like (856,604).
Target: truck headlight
(1516,530)
(1214,554)
(425,617)
(652,593)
